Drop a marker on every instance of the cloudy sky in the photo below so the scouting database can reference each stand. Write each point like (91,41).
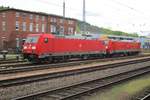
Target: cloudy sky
(123,15)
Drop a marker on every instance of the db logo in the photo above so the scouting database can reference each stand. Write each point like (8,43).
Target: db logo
(80,45)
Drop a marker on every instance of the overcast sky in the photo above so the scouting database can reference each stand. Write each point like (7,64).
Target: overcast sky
(123,15)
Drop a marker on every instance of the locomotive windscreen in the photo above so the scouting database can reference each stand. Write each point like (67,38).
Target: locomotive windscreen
(32,39)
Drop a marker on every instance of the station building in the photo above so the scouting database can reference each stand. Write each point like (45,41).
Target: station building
(15,24)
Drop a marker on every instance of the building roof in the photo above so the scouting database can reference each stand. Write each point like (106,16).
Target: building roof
(34,12)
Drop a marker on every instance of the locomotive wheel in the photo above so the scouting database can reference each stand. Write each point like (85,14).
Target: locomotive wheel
(84,57)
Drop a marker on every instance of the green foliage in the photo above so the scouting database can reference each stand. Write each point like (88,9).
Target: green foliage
(88,27)
(119,33)
(2,7)
(95,29)
(78,29)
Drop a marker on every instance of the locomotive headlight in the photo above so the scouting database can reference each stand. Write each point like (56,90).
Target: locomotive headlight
(106,47)
(33,47)
(25,47)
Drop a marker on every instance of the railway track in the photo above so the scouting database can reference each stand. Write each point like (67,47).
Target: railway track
(68,66)
(147,97)
(14,65)
(25,66)
(74,91)
(10,61)
(106,70)
(144,95)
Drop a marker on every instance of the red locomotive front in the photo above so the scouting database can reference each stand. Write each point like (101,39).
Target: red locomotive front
(35,46)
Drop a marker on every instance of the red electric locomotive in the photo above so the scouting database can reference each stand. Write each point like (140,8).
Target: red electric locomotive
(47,47)
(123,45)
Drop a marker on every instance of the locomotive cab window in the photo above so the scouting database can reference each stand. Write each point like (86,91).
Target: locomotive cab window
(32,39)
(45,40)
(105,42)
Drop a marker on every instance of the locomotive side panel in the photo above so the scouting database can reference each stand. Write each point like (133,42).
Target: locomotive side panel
(62,45)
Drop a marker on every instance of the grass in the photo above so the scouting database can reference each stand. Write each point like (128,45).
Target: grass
(9,56)
(123,91)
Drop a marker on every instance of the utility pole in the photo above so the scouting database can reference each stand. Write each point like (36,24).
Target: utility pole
(63,17)
(64,8)
(83,10)
(84,20)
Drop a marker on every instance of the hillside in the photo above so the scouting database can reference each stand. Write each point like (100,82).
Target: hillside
(94,29)
(2,7)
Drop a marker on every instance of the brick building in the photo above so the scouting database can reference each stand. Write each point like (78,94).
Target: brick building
(15,24)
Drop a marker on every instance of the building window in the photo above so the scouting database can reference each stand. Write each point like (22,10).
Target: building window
(53,19)
(31,27)
(37,17)
(3,26)
(17,25)
(3,15)
(70,30)
(17,14)
(37,28)
(31,16)
(24,26)
(43,28)
(53,28)
(43,18)
(61,30)
(61,20)
(70,22)
(24,16)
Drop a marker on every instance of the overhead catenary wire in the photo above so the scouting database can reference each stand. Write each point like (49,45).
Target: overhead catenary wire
(129,8)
